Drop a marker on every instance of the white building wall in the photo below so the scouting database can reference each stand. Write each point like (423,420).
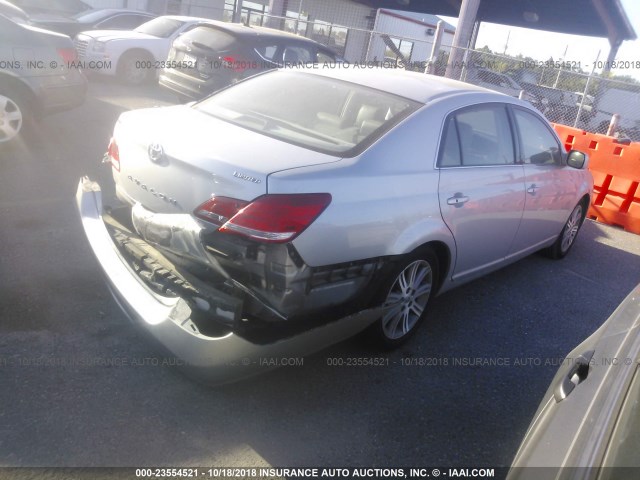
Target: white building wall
(409,30)
(341,12)
(107,3)
(153,6)
(346,14)
(203,8)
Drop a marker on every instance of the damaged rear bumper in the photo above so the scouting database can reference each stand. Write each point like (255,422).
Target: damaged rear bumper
(214,359)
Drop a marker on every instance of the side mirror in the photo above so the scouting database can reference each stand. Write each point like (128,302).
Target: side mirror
(578,160)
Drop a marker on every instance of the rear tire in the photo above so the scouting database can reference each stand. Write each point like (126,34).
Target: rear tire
(569,232)
(407,294)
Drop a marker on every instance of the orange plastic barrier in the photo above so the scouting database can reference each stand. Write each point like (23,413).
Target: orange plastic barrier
(616,176)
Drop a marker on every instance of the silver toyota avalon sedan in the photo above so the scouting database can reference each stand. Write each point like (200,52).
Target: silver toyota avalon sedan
(299,207)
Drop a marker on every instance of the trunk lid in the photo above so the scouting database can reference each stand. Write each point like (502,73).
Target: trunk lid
(173,159)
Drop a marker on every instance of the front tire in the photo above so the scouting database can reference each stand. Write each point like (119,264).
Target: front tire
(569,232)
(13,117)
(131,69)
(407,295)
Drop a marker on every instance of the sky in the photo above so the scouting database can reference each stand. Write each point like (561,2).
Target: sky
(542,45)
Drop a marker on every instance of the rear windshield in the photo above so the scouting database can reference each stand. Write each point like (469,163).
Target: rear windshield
(211,38)
(160,27)
(322,114)
(91,16)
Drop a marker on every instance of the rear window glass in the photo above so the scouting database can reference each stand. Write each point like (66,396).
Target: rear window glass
(322,114)
(160,27)
(211,38)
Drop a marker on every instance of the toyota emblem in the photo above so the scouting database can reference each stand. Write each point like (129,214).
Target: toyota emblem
(156,152)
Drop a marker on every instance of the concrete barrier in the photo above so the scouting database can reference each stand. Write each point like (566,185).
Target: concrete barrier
(616,175)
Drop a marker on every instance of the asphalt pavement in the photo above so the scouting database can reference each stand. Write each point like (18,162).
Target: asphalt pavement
(79,386)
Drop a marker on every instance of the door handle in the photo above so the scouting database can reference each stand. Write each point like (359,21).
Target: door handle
(533,189)
(578,373)
(457,200)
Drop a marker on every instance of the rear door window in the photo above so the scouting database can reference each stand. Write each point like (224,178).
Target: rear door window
(485,136)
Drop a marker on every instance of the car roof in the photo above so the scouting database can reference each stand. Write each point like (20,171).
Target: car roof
(262,32)
(115,10)
(420,87)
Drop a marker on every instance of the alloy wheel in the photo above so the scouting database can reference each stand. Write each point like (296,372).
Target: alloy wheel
(407,299)
(571,228)
(11,119)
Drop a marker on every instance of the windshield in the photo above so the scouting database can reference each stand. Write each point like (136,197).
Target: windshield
(14,13)
(91,16)
(318,113)
(161,27)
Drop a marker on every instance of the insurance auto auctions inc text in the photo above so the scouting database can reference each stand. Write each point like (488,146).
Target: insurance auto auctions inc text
(332,473)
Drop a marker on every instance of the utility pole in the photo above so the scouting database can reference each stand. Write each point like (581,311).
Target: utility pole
(506,45)
(462,37)
(237,12)
(564,55)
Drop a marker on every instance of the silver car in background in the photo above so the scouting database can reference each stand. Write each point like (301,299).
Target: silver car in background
(299,207)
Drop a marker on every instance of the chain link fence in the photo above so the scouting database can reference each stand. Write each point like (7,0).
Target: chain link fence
(558,89)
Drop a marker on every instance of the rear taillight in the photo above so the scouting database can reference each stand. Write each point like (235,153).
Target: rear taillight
(269,218)
(219,210)
(68,55)
(238,64)
(114,154)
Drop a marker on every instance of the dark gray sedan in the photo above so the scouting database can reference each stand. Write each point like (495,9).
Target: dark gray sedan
(36,77)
